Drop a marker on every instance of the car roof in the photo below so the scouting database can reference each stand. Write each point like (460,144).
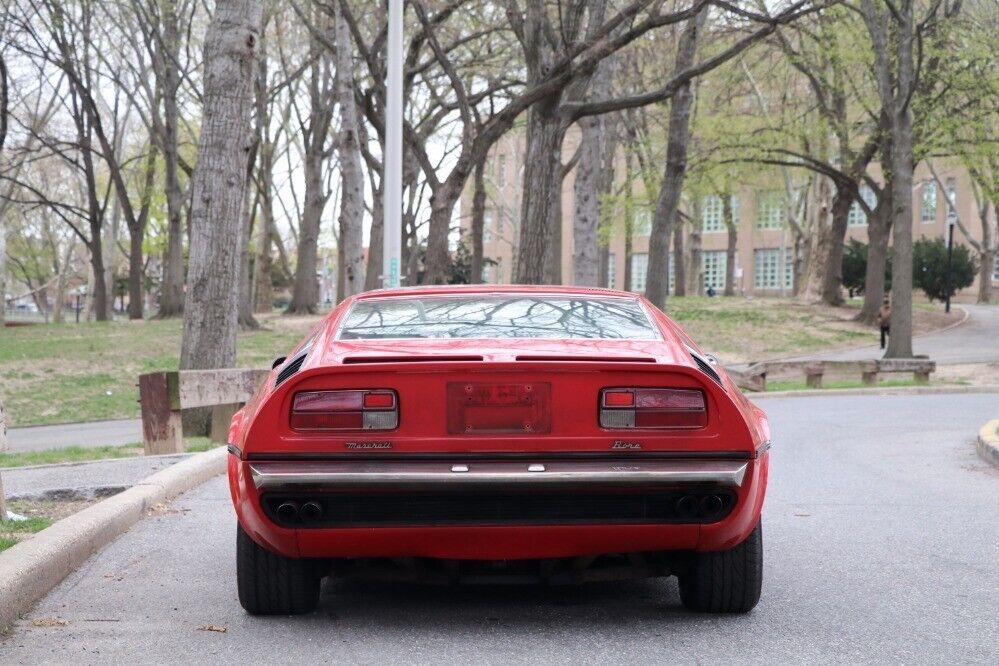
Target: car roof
(465,289)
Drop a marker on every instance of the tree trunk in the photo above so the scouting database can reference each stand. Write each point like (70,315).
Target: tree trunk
(478,222)
(263,261)
(730,249)
(351,172)
(219,187)
(136,272)
(3,273)
(172,287)
(878,232)
(832,274)
(900,341)
(987,256)
(588,185)
(245,307)
(679,264)
(376,240)
(818,248)
(668,201)
(539,260)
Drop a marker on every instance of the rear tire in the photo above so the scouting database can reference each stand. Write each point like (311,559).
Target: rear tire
(727,581)
(271,584)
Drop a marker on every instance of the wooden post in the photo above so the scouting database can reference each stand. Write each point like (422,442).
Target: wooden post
(160,401)
(813,375)
(869,373)
(221,417)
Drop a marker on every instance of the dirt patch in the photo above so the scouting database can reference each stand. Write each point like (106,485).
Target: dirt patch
(40,514)
(972,374)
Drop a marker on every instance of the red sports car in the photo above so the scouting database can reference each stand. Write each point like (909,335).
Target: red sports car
(462,434)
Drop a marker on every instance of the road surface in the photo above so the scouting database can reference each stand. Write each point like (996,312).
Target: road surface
(90,434)
(974,341)
(880,541)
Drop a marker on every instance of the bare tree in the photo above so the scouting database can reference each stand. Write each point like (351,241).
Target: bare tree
(667,203)
(219,186)
(351,173)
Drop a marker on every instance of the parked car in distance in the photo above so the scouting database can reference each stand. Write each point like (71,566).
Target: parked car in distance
(461,434)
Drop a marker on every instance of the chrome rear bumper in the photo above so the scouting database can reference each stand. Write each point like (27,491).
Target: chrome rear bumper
(540,474)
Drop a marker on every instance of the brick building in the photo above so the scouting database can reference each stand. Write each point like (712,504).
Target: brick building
(764,246)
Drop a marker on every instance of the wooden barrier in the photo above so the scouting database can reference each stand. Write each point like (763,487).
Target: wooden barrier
(754,378)
(163,395)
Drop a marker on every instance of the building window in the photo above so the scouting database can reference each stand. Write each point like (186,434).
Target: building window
(767,269)
(713,266)
(671,271)
(857,216)
(639,268)
(995,270)
(487,273)
(611,271)
(641,222)
(952,198)
(487,226)
(712,214)
(928,211)
(769,209)
(501,170)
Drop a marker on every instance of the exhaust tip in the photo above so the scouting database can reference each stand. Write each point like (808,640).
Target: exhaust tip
(311,511)
(686,506)
(287,512)
(711,505)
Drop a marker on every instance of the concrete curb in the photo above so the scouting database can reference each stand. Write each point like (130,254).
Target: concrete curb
(31,568)
(988,442)
(898,390)
(78,463)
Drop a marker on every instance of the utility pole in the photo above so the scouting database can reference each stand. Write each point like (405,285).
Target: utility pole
(950,259)
(392,166)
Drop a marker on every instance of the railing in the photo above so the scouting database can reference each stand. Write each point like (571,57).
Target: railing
(754,378)
(163,395)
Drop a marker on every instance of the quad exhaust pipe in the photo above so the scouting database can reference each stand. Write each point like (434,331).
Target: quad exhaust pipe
(291,512)
(705,507)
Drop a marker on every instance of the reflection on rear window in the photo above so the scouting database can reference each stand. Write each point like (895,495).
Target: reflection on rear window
(514,316)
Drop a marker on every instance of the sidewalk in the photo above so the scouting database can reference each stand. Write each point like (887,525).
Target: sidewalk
(41,481)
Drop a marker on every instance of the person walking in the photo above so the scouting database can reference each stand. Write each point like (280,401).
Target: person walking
(884,321)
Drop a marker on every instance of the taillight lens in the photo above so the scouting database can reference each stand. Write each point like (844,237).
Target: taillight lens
(652,408)
(368,409)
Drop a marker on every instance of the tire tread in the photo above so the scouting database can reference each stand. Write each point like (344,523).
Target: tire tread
(271,584)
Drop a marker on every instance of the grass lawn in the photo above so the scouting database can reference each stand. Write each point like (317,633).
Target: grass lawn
(13,531)
(81,454)
(799,385)
(88,372)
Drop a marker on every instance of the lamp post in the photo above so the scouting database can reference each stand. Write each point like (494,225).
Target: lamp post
(392,165)
(950,260)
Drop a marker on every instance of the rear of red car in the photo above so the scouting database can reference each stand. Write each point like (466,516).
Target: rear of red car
(568,458)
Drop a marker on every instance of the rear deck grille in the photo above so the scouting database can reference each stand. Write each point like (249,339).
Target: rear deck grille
(506,508)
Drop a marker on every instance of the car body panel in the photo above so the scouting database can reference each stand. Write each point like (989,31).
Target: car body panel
(420,369)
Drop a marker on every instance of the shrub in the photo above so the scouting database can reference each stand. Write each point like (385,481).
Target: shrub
(929,268)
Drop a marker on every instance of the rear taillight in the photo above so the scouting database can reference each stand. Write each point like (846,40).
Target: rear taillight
(375,409)
(652,408)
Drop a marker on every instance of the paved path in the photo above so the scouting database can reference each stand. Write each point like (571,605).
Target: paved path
(880,533)
(37,482)
(90,434)
(975,341)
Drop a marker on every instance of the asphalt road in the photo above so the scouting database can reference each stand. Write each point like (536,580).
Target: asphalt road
(89,434)
(975,341)
(881,547)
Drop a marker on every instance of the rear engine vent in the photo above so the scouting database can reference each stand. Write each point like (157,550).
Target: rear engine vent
(706,368)
(411,359)
(588,359)
(290,368)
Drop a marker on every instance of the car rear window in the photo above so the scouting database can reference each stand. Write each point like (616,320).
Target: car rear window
(506,316)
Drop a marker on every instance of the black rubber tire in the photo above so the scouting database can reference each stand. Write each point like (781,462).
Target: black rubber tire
(270,584)
(727,581)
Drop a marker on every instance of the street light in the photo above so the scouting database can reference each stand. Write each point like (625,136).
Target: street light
(392,165)
(950,259)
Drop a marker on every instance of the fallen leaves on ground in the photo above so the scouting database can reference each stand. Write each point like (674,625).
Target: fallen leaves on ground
(213,627)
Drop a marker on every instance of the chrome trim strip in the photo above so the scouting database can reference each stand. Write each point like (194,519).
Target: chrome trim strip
(729,473)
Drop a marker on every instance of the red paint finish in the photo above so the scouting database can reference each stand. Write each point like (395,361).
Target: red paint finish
(469,397)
